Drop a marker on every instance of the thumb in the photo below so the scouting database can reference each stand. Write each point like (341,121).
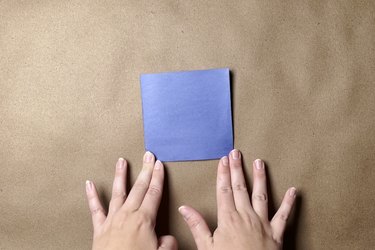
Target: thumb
(198,226)
(167,242)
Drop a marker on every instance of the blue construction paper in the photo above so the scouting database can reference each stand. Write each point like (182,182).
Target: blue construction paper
(187,115)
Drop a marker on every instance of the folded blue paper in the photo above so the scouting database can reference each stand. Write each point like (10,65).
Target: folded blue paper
(187,115)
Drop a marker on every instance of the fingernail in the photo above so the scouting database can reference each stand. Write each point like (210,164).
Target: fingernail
(259,164)
(120,163)
(292,192)
(183,212)
(158,165)
(88,186)
(235,154)
(224,160)
(148,157)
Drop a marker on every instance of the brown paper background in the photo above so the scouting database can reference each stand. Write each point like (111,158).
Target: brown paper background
(303,100)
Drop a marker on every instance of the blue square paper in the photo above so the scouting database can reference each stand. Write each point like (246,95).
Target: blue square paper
(187,115)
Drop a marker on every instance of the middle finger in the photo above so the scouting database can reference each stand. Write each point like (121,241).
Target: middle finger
(139,190)
(240,194)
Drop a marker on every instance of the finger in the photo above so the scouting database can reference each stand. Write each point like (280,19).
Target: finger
(225,200)
(139,190)
(119,187)
(278,222)
(240,194)
(96,208)
(167,242)
(198,227)
(153,196)
(259,196)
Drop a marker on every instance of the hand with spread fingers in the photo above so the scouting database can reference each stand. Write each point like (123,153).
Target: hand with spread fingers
(130,221)
(242,224)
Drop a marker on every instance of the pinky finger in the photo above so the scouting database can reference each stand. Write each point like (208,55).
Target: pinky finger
(96,208)
(278,222)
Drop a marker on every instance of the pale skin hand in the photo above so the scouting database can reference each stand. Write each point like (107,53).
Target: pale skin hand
(241,224)
(131,220)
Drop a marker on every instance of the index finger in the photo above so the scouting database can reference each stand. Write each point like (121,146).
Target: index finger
(224,193)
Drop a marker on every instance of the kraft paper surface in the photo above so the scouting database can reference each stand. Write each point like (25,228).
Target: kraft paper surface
(303,99)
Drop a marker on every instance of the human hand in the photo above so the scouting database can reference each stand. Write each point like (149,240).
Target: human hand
(241,224)
(131,220)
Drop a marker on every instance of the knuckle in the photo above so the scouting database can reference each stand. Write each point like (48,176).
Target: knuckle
(225,189)
(231,218)
(154,190)
(283,217)
(193,222)
(237,165)
(239,187)
(260,174)
(96,210)
(143,219)
(140,185)
(260,197)
(116,194)
(91,197)
(257,224)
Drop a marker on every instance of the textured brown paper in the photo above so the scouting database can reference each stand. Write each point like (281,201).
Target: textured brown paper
(303,78)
